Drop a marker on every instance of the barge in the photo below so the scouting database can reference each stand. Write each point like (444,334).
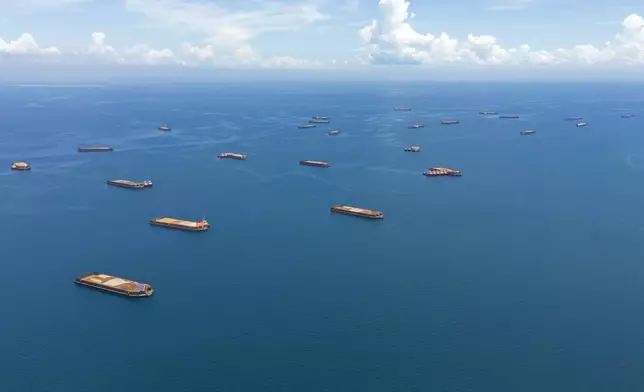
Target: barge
(412,149)
(360,212)
(232,155)
(488,113)
(582,124)
(95,149)
(312,121)
(416,126)
(164,128)
(315,163)
(628,115)
(306,126)
(20,166)
(528,132)
(574,118)
(173,223)
(441,171)
(450,122)
(321,118)
(334,132)
(402,109)
(128,288)
(130,184)
(507,117)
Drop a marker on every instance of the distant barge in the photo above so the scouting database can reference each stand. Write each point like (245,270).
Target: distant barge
(306,126)
(334,132)
(416,126)
(232,155)
(320,118)
(441,171)
(449,122)
(128,288)
(173,223)
(488,113)
(574,118)
(582,124)
(402,109)
(95,149)
(315,163)
(313,121)
(130,184)
(528,132)
(20,166)
(507,117)
(412,149)
(360,212)
(164,128)
(628,115)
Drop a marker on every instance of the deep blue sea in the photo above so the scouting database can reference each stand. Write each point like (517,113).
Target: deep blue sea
(526,274)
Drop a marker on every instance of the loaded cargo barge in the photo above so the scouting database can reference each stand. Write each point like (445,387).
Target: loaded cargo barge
(130,184)
(95,149)
(128,288)
(20,166)
(441,171)
(360,212)
(315,163)
(232,155)
(173,223)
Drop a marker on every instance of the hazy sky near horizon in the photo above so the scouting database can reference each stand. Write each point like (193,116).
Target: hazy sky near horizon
(534,34)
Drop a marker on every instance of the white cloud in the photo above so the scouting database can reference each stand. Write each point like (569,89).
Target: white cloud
(38,5)
(511,5)
(26,44)
(392,40)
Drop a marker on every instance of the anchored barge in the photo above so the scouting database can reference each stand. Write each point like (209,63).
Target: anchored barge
(313,121)
(449,122)
(628,115)
(95,149)
(402,109)
(164,128)
(315,163)
(334,132)
(507,117)
(321,118)
(441,171)
(488,113)
(20,166)
(416,126)
(306,126)
(412,149)
(173,223)
(582,124)
(128,288)
(355,211)
(232,155)
(130,184)
(528,132)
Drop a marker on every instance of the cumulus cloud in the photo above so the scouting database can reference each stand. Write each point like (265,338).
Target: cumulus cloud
(137,54)
(26,44)
(391,39)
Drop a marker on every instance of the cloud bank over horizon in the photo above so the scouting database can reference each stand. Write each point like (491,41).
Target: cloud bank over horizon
(222,38)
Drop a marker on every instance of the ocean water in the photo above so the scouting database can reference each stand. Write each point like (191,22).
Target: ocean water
(525,274)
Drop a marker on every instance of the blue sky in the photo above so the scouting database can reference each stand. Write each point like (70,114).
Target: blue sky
(326,34)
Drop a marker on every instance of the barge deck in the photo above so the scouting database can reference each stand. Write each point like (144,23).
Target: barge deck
(113,284)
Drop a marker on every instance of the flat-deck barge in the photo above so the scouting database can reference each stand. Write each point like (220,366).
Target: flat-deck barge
(360,212)
(306,126)
(128,288)
(402,109)
(528,132)
(322,118)
(450,122)
(95,149)
(313,121)
(488,113)
(173,223)
(416,126)
(315,163)
(441,171)
(232,155)
(130,184)
(20,166)
(582,124)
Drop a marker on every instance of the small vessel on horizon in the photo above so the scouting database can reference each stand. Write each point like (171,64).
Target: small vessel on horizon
(441,171)
(412,149)
(232,155)
(334,132)
(488,113)
(95,149)
(315,163)
(360,212)
(582,124)
(20,166)
(628,115)
(508,116)
(306,126)
(528,132)
(130,184)
(573,118)
(314,121)
(164,128)
(320,118)
(112,284)
(450,122)
(402,109)
(416,126)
